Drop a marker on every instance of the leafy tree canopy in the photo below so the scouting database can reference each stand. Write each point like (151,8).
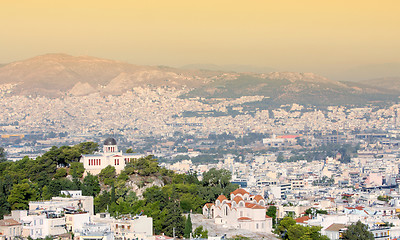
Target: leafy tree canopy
(358,231)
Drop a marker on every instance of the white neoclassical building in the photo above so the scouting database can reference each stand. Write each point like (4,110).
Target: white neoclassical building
(244,211)
(94,163)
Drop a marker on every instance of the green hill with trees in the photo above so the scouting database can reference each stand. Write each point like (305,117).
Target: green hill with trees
(59,169)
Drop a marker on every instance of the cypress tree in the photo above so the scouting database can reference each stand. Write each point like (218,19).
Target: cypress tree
(188,227)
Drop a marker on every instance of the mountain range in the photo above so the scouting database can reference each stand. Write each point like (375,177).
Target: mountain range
(55,75)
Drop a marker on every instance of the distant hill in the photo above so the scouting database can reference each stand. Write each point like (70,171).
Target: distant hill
(303,88)
(230,68)
(390,83)
(363,72)
(55,75)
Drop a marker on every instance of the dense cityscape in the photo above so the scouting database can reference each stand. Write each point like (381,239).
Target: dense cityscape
(200,120)
(322,166)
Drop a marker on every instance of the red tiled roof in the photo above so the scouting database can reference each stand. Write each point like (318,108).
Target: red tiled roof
(258,207)
(239,191)
(244,219)
(237,199)
(258,198)
(249,205)
(208,205)
(253,206)
(302,219)
(221,198)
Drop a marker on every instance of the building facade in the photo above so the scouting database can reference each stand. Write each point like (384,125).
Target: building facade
(244,211)
(94,163)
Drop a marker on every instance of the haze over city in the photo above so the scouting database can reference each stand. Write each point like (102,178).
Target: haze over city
(342,40)
(218,120)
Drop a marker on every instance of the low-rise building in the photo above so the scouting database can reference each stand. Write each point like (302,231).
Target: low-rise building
(10,229)
(244,211)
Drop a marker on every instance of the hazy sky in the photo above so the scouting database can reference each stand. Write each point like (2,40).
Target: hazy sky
(320,36)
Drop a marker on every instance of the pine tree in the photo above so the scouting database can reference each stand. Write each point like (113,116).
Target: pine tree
(174,221)
(358,231)
(188,227)
(112,193)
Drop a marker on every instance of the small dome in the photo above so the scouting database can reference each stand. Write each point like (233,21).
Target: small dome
(110,141)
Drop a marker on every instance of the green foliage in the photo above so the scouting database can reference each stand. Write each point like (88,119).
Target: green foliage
(217,178)
(200,233)
(112,198)
(173,219)
(129,150)
(323,151)
(188,227)
(288,229)
(143,166)
(384,198)
(316,211)
(46,195)
(40,178)
(60,173)
(76,169)
(4,205)
(91,185)
(357,231)
(101,202)
(21,194)
(55,186)
(87,147)
(3,155)
(107,175)
(284,225)
(271,212)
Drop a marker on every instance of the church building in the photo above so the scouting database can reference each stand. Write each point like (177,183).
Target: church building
(243,211)
(94,163)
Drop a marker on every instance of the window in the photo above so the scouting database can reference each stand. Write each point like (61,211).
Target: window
(256,225)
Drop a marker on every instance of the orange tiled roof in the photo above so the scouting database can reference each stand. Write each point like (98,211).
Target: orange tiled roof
(258,198)
(237,199)
(258,207)
(208,205)
(221,198)
(239,191)
(253,206)
(302,219)
(244,219)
